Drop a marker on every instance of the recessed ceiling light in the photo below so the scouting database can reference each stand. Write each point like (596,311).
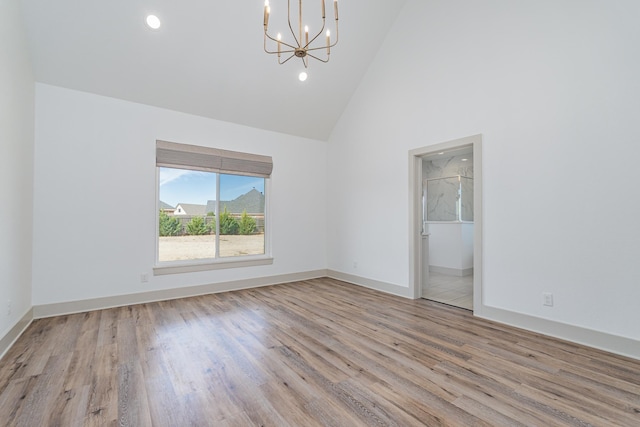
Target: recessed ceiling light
(464,160)
(153,22)
(441,153)
(302,76)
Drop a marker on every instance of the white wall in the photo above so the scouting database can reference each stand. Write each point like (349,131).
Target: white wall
(16,166)
(554,89)
(451,246)
(95,155)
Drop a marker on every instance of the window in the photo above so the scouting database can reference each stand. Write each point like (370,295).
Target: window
(211,208)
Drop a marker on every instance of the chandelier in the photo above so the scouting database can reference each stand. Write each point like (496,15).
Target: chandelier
(302,46)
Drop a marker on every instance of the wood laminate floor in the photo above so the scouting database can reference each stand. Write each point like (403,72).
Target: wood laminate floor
(312,353)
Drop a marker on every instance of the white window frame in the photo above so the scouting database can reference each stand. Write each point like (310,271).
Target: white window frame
(188,266)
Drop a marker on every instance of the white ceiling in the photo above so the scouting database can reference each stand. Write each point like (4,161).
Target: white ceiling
(206,59)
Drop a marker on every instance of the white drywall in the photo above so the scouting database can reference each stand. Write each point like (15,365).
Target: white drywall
(451,245)
(16,166)
(554,89)
(95,195)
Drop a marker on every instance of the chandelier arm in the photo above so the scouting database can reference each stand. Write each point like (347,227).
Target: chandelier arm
(265,44)
(281,52)
(321,60)
(316,36)
(311,49)
(300,21)
(337,36)
(290,27)
(293,48)
(285,59)
(324,47)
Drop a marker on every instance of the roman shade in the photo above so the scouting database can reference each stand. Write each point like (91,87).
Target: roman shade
(194,157)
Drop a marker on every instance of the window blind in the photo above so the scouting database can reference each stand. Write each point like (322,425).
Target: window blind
(194,157)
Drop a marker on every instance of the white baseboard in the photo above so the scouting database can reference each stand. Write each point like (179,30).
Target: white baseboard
(371,283)
(61,308)
(14,333)
(588,337)
(460,272)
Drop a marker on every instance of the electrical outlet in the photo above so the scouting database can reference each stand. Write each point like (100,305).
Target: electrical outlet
(9,307)
(355,264)
(144,278)
(547,299)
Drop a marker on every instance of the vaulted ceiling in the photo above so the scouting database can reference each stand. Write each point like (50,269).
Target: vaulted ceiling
(206,59)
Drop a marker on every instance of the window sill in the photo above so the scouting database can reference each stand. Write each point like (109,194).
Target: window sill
(172,268)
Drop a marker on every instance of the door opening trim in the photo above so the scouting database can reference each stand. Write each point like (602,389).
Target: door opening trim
(415,214)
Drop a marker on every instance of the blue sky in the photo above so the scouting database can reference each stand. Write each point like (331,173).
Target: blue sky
(185,186)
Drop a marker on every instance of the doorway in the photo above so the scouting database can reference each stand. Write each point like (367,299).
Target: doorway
(446,235)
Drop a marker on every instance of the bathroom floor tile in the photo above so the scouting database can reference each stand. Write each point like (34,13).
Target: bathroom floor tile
(452,290)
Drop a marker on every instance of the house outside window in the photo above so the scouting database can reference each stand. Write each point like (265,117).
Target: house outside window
(212,208)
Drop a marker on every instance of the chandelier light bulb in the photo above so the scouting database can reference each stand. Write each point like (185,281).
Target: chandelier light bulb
(267,11)
(279,45)
(328,43)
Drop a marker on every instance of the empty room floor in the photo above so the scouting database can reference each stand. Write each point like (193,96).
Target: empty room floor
(452,290)
(312,353)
